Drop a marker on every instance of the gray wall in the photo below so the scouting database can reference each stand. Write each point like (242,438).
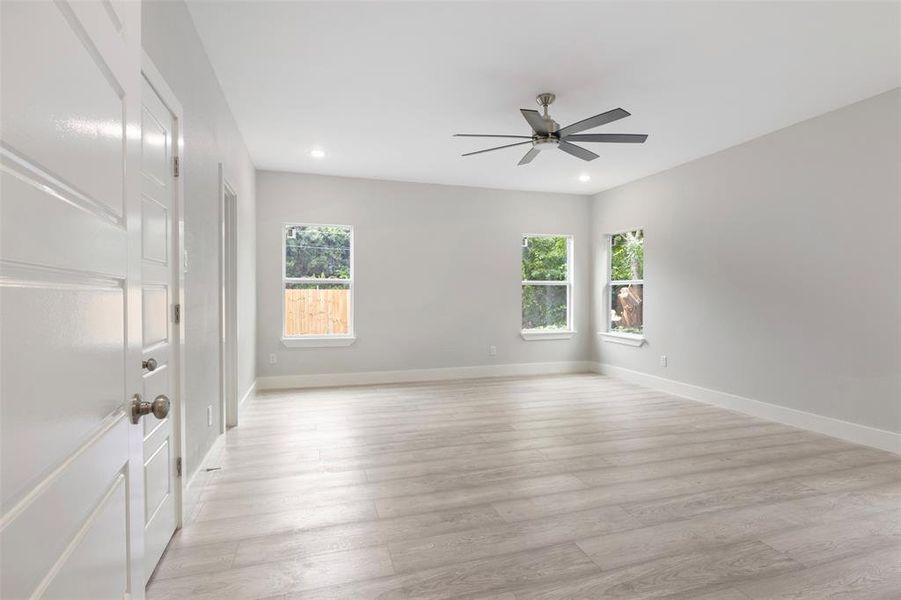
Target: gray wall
(772,268)
(210,136)
(437,272)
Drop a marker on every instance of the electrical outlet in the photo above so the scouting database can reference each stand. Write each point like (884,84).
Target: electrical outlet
(209,415)
(492,350)
(663,360)
(273,358)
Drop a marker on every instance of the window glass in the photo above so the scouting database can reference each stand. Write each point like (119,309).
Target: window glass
(544,258)
(546,285)
(317,251)
(317,281)
(626,302)
(317,309)
(544,306)
(626,284)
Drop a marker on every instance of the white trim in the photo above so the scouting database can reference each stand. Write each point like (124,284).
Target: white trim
(532,335)
(248,394)
(415,375)
(228,303)
(318,341)
(158,83)
(156,80)
(627,339)
(626,282)
(845,430)
(195,481)
(195,485)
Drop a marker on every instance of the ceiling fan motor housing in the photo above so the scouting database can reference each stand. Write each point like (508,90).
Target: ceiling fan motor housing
(545,142)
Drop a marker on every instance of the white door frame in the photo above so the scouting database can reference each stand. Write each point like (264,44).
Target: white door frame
(228,297)
(177,244)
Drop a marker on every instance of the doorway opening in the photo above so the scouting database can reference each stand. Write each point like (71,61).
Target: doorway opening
(228,302)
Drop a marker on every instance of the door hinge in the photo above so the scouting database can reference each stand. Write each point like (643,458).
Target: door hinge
(178,466)
(176,314)
(175,167)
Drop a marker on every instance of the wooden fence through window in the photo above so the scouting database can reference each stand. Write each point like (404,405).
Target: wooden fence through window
(312,312)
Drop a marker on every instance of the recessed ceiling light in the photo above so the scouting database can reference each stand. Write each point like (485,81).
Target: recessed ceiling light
(583,178)
(317,153)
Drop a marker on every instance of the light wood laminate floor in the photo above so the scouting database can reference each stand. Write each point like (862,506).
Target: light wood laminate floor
(574,486)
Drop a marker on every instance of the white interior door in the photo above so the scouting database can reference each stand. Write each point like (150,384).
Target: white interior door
(70,302)
(158,254)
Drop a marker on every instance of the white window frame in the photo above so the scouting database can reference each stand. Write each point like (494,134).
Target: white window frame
(318,340)
(609,335)
(552,334)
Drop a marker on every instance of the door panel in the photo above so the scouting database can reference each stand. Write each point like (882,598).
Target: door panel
(31,203)
(158,193)
(100,550)
(38,536)
(155,140)
(156,316)
(156,474)
(78,134)
(70,458)
(155,222)
(69,329)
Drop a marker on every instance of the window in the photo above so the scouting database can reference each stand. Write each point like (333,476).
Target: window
(627,283)
(318,285)
(546,286)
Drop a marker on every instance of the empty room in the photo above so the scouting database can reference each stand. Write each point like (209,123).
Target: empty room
(450,300)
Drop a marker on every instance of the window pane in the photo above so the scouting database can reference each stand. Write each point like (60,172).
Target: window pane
(317,309)
(544,307)
(317,251)
(544,258)
(627,256)
(626,303)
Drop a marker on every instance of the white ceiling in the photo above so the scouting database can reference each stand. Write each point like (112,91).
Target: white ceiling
(381,86)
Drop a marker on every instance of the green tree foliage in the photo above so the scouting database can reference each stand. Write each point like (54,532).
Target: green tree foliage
(627,256)
(544,259)
(543,307)
(317,251)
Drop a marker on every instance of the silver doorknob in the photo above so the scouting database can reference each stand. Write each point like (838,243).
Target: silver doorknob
(159,407)
(150,364)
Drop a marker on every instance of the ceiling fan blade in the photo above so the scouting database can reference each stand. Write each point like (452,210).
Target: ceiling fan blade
(577,151)
(595,121)
(488,135)
(529,156)
(616,138)
(497,148)
(535,120)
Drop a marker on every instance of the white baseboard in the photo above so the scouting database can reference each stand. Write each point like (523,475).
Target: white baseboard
(198,475)
(845,430)
(418,375)
(248,394)
(198,478)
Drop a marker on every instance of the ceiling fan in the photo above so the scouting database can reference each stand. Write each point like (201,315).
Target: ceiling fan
(547,134)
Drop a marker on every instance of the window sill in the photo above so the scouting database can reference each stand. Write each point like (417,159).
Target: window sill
(546,335)
(627,339)
(330,341)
